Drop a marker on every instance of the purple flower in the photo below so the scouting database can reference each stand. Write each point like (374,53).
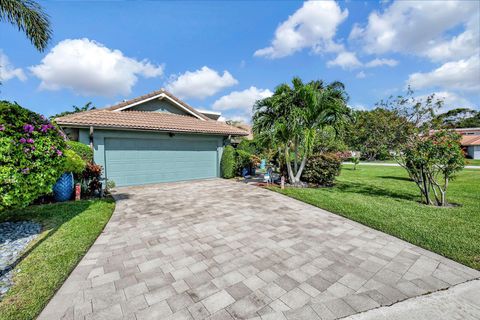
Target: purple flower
(26,170)
(32,148)
(22,140)
(30,140)
(28,128)
(44,128)
(26,150)
(2,127)
(59,153)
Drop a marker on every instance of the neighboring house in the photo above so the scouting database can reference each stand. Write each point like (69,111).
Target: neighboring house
(243,126)
(470,141)
(153,138)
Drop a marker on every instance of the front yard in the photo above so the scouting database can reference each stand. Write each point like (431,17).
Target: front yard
(68,231)
(385,199)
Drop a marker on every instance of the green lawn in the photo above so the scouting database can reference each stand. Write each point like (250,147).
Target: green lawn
(472,162)
(68,231)
(385,199)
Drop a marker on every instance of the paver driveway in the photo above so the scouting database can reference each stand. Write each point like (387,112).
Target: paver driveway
(224,250)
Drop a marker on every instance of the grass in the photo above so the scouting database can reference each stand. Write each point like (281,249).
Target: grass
(473,162)
(385,199)
(68,231)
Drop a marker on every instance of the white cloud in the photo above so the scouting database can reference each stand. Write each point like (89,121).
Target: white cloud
(241,101)
(89,68)
(8,71)
(200,84)
(463,74)
(422,28)
(381,62)
(312,26)
(361,75)
(349,60)
(345,60)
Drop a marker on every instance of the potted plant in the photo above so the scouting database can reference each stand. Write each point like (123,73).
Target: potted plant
(64,187)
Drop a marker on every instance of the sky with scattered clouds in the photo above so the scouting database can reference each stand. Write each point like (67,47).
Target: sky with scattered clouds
(223,56)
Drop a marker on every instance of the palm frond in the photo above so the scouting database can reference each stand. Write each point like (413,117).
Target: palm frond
(29,17)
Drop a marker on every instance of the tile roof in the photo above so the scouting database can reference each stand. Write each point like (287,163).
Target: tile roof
(470,140)
(147,120)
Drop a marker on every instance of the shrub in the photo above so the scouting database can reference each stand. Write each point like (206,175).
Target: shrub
(83,150)
(73,162)
(243,159)
(227,164)
(322,168)
(91,178)
(31,155)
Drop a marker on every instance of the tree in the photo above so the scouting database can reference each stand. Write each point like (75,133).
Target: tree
(87,107)
(375,133)
(431,157)
(431,162)
(29,17)
(458,118)
(291,119)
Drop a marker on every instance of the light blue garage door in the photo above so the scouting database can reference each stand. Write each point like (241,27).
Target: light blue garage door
(142,161)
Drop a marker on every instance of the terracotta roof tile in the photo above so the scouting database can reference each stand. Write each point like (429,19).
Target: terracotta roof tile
(470,140)
(147,120)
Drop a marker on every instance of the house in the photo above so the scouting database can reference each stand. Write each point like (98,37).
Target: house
(153,138)
(470,141)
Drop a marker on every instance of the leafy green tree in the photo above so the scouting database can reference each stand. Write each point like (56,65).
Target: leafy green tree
(458,118)
(377,132)
(29,17)
(291,119)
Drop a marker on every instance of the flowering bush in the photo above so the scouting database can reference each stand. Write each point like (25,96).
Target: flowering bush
(432,162)
(31,155)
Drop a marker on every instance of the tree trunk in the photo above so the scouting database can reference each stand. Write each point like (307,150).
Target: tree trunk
(295,149)
(291,177)
(300,170)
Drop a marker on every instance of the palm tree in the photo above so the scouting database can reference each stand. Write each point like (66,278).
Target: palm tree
(292,117)
(27,16)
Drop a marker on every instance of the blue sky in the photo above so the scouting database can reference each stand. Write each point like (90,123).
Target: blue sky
(223,55)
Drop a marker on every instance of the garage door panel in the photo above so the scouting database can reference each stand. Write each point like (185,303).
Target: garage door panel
(142,161)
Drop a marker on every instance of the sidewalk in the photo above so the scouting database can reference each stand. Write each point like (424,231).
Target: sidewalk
(458,302)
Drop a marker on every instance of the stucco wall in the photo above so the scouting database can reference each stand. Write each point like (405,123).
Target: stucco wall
(158,106)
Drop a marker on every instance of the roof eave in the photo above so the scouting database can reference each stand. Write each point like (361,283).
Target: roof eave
(132,128)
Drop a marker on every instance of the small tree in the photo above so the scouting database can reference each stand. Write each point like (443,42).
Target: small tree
(431,162)
(430,157)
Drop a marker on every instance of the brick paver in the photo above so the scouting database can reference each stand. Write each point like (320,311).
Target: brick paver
(218,249)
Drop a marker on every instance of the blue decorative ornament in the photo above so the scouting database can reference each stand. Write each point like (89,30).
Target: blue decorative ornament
(63,188)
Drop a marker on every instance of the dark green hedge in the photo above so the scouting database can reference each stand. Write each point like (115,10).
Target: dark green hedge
(227,164)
